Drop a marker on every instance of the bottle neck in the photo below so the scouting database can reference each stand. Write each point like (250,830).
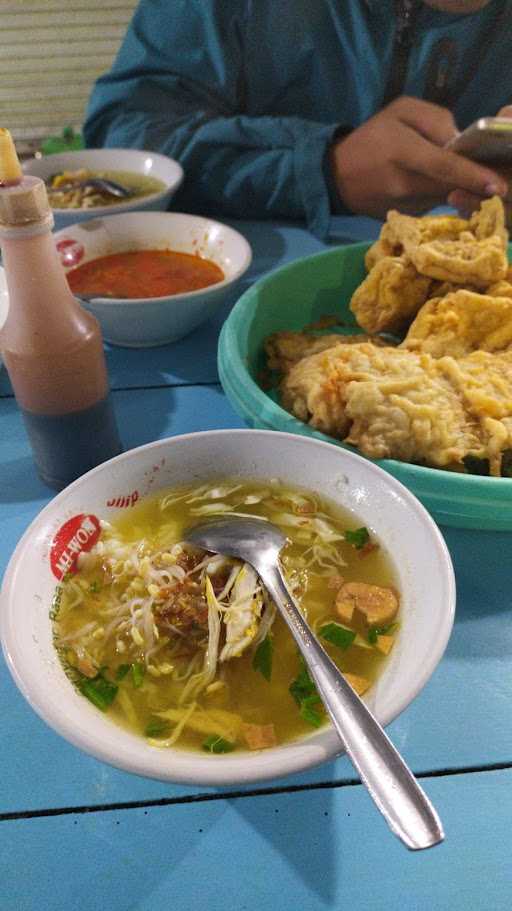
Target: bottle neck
(43,313)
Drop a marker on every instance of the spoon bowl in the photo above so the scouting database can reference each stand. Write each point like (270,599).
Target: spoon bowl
(391,784)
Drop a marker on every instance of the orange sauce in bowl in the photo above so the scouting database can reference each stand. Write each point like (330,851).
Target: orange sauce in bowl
(144,273)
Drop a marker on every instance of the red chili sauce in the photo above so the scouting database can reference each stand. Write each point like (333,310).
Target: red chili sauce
(144,273)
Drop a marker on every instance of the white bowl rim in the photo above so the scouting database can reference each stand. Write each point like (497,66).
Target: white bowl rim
(128,205)
(297,756)
(184,295)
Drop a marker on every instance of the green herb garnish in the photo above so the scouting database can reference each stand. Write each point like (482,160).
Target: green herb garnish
(262,659)
(157,727)
(380,631)
(309,712)
(94,587)
(358,538)
(99,690)
(122,671)
(303,690)
(216,744)
(337,634)
(302,686)
(138,671)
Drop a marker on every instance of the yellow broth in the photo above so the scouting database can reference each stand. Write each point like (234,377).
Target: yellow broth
(244,691)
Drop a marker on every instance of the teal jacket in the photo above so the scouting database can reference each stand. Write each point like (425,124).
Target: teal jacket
(248,94)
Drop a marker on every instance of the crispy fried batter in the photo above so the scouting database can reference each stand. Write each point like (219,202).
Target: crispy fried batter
(284,349)
(461,322)
(474,253)
(390,296)
(394,403)
(386,245)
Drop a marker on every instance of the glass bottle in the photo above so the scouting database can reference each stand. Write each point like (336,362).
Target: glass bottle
(51,346)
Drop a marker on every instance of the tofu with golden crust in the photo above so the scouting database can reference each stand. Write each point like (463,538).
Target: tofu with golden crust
(390,296)
(460,323)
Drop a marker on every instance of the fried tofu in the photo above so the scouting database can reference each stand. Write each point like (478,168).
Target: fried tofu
(473,252)
(390,296)
(460,323)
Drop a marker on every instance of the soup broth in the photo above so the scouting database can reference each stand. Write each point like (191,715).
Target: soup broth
(66,192)
(186,649)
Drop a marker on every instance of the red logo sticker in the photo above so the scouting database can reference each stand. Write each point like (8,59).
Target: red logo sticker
(71,252)
(77,535)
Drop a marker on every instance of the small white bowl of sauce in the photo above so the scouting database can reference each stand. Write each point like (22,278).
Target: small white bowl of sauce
(152,277)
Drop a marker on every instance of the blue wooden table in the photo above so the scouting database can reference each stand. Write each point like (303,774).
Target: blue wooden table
(77,834)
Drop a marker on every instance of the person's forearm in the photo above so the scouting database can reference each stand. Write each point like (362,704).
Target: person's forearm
(241,166)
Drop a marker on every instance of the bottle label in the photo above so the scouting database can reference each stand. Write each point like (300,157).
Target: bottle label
(70,251)
(76,536)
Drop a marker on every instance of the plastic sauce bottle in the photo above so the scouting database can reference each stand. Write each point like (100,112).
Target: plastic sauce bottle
(52,348)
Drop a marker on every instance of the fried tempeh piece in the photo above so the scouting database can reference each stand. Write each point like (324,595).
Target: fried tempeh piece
(390,296)
(460,323)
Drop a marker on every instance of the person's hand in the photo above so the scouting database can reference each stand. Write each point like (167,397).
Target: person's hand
(466,202)
(396,160)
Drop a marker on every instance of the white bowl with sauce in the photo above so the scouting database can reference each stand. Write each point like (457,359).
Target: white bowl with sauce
(394,517)
(148,321)
(135,162)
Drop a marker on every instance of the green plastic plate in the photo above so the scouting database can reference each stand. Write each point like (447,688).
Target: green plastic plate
(301,293)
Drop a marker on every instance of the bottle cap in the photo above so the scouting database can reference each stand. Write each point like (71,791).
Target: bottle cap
(10,168)
(25,204)
(23,200)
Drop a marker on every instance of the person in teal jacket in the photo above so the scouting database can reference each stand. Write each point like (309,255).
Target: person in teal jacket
(301,108)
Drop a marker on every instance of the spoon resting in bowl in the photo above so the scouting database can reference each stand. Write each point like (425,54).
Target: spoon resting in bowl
(391,784)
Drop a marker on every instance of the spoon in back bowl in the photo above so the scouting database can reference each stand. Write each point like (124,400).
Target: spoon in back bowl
(102,184)
(391,784)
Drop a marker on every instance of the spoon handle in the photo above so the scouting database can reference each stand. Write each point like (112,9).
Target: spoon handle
(391,784)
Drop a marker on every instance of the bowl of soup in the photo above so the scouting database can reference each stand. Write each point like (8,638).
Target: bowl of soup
(170,662)
(152,277)
(149,178)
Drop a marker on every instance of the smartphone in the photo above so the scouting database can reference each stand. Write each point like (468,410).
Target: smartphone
(488,140)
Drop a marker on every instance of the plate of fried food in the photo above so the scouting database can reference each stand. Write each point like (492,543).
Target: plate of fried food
(400,350)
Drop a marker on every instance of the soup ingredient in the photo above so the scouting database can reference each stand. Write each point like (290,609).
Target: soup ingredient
(185,647)
(52,348)
(66,193)
(144,273)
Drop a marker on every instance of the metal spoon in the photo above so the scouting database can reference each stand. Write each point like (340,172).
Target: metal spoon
(103,184)
(391,784)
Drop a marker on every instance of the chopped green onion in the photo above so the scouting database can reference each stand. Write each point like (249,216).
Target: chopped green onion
(138,671)
(358,538)
(156,727)
(122,671)
(381,631)
(262,660)
(94,587)
(308,711)
(337,634)
(216,744)
(302,686)
(99,691)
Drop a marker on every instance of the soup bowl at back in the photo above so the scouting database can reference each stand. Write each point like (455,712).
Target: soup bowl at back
(153,178)
(372,499)
(146,321)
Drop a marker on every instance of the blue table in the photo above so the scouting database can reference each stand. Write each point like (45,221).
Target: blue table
(77,834)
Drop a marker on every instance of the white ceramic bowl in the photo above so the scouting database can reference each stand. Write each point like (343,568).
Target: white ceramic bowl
(149,164)
(144,322)
(388,509)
